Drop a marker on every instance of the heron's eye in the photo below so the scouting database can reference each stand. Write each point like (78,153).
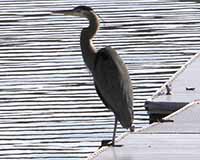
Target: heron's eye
(77,9)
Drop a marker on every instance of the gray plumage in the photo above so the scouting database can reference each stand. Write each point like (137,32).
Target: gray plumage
(113,84)
(110,74)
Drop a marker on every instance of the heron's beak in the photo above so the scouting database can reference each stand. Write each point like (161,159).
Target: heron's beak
(65,12)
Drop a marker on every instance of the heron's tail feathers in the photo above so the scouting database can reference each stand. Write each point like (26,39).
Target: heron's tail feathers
(125,118)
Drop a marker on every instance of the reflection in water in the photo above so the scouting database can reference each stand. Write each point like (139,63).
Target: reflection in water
(48,105)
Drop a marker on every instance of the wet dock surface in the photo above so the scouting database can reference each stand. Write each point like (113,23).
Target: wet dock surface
(175,140)
(48,105)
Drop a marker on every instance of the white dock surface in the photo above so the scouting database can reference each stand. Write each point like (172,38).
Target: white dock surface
(178,140)
(183,89)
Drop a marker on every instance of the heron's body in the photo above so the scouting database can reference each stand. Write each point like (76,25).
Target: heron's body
(113,85)
(110,74)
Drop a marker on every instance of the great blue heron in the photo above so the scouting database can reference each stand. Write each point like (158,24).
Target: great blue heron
(110,74)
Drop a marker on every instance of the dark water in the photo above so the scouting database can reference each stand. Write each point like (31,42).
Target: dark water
(48,105)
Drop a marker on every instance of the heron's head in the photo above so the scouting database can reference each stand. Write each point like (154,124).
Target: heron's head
(81,11)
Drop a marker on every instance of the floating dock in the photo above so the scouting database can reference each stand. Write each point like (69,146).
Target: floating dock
(178,140)
(178,135)
(179,91)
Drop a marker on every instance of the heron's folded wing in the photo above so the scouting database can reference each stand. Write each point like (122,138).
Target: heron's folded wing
(113,84)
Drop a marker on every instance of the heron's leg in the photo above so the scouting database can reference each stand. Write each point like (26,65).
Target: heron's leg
(114,132)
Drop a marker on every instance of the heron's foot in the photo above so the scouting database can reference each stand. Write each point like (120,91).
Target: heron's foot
(165,120)
(109,143)
(106,143)
(116,145)
(132,128)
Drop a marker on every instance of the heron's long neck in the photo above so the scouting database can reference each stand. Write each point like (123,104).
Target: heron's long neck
(87,47)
